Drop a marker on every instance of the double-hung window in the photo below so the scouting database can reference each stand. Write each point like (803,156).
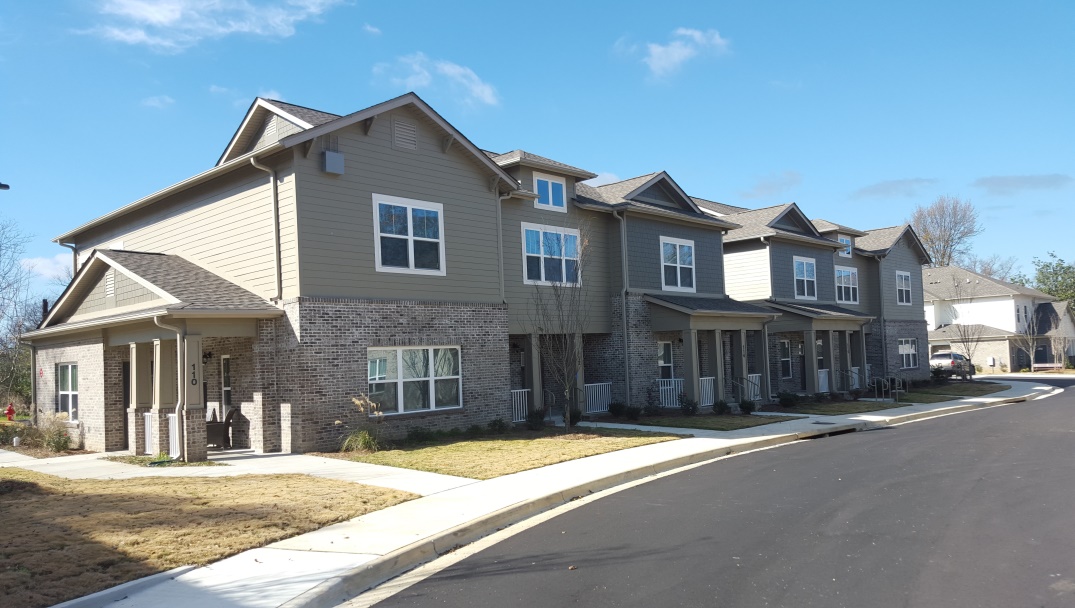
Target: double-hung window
(903,288)
(908,348)
(785,358)
(846,240)
(805,279)
(550,255)
(67,393)
(414,379)
(551,191)
(665,369)
(677,264)
(409,235)
(847,285)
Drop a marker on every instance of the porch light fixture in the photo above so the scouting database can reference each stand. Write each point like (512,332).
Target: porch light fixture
(206,356)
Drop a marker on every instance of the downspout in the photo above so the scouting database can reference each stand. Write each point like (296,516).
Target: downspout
(624,277)
(180,406)
(275,226)
(74,256)
(500,241)
(33,383)
(768,359)
(881,324)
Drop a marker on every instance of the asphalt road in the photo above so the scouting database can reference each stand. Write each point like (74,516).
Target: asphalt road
(975,509)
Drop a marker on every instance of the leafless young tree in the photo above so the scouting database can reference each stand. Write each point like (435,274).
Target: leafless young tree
(966,336)
(993,266)
(18,313)
(558,311)
(946,226)
(1059,346)
(1026,338)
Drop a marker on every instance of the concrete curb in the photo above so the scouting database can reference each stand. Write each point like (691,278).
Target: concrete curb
(117,593)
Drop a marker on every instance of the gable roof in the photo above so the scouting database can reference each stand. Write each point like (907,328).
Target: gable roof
(617,196)
(949,332)
(186,288)
(759,223)
(1049,318)
(945,283)
(300,116)
(880,241)
(718,208)
(711,306)
(522,157)
(824,226)
(818,311)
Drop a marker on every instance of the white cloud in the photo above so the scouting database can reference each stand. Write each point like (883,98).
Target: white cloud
(271,94)
(219,90)
(602,179)
(909,187)
(172,26)
(371,29)
(56,267)
(772,185)
(418,71)
(686,43)
(158,101)
(1005,185)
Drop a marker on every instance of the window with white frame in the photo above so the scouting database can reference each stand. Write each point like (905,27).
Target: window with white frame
(665,369)
(551,191)
(785,358)
(414,379)
(677,264)
(410,235)
(903,288)
(67,390)
(550,255)
(847,285)
(846,240)
(805,278)
(908,348)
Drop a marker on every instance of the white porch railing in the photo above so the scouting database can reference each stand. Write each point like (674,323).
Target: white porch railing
(598,396)
(856,381)
(822,380)
(669,389)
(173,436)
(148,418)
(707,391)
(754,387)
(520,404)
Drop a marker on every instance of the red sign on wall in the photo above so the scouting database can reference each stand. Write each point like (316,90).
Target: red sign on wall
(41,373)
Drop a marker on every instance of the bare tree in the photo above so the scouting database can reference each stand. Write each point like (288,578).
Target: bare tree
(18,313)
(558,311)
(993,266)
(1026,337)
(966,336)
(946,226)
(1059,346)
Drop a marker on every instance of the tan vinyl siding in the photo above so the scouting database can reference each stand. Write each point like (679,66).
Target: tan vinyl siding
(902,258)
(782,255)
(335,216)
(127,294)
(644,253)
(225,226)
(273,130)
(95,300)
(129,291)
(746,266)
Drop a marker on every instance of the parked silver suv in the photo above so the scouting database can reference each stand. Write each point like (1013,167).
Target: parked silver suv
(952,364)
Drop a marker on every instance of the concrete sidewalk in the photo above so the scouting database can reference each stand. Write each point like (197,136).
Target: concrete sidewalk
(328,566)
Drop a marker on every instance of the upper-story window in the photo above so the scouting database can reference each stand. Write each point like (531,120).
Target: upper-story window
(551,255)
(847,285)
(677,264)
(551,191)
(846,240)
(903,288)
(1026,314)
(805,279)
(410,235)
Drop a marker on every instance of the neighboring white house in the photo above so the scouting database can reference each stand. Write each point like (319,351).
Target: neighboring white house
(996,321)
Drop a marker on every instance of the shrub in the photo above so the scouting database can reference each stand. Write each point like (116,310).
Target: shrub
(498,426)
(821,397)
(54,432)
(360,441)
(651,409)
(1024,370)
(576,414)
(475,430)
(855,394)
(1004,367)
(722,408)
(747,407)
(978,368)
(420,434)
(688,406)
(787,399)
(617,409)
(632,412)
(535,420)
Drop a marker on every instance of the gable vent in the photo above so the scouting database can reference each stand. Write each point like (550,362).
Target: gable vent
(404,134)
(110,283)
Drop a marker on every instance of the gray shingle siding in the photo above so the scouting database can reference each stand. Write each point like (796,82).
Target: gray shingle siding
(902,258)
(644,253)
(782,257)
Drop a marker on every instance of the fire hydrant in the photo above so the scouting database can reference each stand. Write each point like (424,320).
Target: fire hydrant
(10,411)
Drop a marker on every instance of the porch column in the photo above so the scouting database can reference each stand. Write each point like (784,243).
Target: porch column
(690,363)
(845,357)
(716,361)
(830,359)
(858,354)
(141,397)
(159,409)
(532,374)
(761,354)
(739,358)
(194,430)
(810,354)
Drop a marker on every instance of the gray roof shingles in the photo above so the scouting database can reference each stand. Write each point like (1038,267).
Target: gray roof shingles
(522,156)
(953,282)
(310,115)
(713,305)
(756,223)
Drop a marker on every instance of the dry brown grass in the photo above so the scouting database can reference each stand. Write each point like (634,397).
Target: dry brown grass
(65,538)
(488,457)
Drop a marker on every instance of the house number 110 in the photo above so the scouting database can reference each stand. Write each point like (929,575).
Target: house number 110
(193,374)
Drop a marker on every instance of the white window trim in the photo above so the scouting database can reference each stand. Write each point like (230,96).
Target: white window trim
(845,252)
(795,279)
(551,179)
(693,266)
(671,365)
(409,203)
(910,298)
(788,359)
(909,342)
(836,279)
(433,378)
(69,393)
(557,229)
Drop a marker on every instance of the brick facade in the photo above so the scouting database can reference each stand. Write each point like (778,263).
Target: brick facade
(90,430)
(883,338)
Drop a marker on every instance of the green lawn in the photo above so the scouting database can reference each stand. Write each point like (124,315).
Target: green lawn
(708,422)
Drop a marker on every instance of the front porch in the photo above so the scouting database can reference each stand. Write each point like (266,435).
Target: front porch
(818,349)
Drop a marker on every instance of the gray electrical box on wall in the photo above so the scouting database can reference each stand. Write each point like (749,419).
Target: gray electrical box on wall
(332,162)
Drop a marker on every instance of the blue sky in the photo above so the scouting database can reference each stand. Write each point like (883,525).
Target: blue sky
(856,111)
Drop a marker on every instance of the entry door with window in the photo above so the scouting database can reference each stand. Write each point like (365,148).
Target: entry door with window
(664,361)
(225,383)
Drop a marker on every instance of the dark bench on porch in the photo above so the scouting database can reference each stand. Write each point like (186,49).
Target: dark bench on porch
(218,434)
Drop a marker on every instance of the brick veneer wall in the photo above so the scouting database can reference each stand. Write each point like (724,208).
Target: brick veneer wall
(115,409)
(90,429)
(878,341)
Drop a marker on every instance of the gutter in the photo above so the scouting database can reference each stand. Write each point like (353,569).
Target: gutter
(275,225)
(74,255)
(180,406)
(624,275)
(500,241)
